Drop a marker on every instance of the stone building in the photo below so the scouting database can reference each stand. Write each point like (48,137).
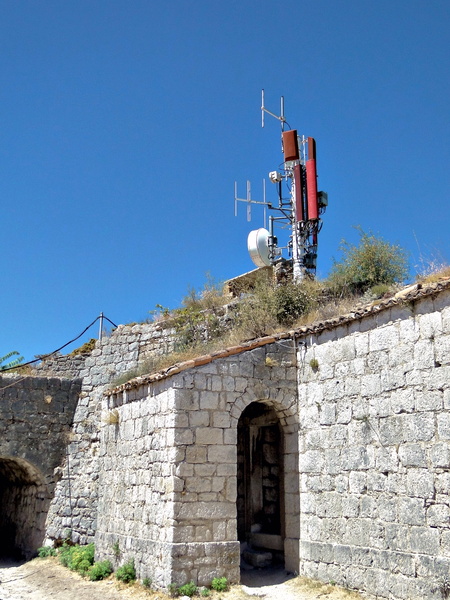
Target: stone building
(326,448)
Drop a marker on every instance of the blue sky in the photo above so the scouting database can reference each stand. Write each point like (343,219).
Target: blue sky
(125,124)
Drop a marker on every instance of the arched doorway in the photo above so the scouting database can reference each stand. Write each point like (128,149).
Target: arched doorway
(24,502)
(260,489)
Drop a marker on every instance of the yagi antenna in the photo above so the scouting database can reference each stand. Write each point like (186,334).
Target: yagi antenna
(264,110)
(249,200)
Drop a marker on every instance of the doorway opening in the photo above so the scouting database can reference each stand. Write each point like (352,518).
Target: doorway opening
(260,486)
(24,502)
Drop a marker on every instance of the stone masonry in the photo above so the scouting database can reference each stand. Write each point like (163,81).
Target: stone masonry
(362,407)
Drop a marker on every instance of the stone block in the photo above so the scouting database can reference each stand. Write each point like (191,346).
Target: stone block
(411,511)
(209,400)
(424,540)
(221,454)
(311,461)
(443,422)
(438,515)
(439,455)
(208,435)
(412,455)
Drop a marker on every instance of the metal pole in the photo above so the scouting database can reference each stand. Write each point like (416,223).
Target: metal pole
(100,330)
(297,248)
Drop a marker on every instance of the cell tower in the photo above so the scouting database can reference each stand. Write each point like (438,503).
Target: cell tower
(300,205)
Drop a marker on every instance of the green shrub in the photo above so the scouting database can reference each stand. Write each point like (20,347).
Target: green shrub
(46,551)
(127,572)
(147,582)
(188,589)
(292,300)
(172,589)
(77,558)
(65,553)
(100,570)
(204,592)
(372,262)
(219,584)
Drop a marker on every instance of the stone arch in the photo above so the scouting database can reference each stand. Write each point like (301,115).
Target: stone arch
(24,502)
(270,423)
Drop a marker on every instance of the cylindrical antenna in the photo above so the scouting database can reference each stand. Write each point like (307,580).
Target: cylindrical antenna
(282,112)
(249,201)
(262,108)
(235,198)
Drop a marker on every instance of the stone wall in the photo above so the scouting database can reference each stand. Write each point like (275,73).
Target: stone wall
(168,468)
(73,510)
(374,457)
(36,416)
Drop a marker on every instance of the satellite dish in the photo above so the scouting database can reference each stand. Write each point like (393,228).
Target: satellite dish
(258,247)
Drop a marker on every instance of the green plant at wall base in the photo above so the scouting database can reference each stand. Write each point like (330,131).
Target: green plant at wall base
(188,589)
(46,551)
(147,582)
(172,590)
(77,558)
(126,573)
(219,584)
(204,592)
(100,570)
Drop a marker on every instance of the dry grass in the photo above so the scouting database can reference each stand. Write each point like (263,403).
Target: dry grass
(304,585)
(443,272)
(112,417)
(256,320)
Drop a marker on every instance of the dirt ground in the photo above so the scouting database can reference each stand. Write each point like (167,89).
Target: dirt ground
(46,579)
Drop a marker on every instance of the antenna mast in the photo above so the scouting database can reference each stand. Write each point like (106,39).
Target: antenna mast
(300,210)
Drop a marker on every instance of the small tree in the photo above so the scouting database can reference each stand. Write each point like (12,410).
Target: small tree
(12,363)
(372,262)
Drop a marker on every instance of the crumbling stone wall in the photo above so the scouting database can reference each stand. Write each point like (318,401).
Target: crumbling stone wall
(375,451)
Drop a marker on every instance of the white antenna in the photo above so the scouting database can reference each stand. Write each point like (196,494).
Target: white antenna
(249,200)
(264,109)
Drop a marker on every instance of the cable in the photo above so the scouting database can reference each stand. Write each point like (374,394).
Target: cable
(44,356)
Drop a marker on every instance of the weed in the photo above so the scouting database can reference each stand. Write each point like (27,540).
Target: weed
(172,589)
(271,362)
(116,549)
(100,570)
(85,348)
(127,572)
(314,364)
(77,558)
(188,589)
(112,417)
(147,582)
(204,592)
(46,551)
(219,584)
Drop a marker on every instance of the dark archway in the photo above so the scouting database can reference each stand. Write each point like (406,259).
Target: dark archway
(260,484)
(24,503)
